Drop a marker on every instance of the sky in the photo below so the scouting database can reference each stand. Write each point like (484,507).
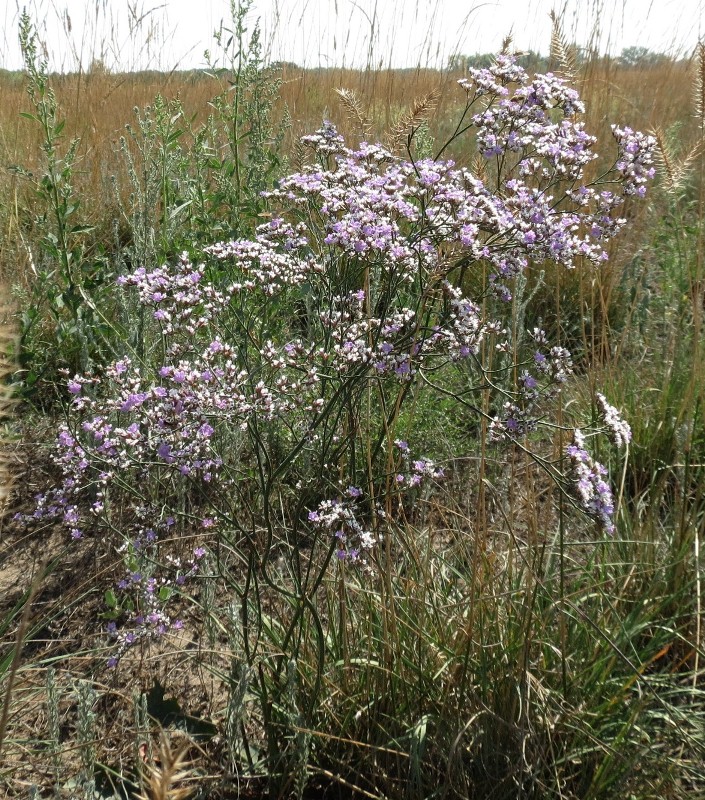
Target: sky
(173,34)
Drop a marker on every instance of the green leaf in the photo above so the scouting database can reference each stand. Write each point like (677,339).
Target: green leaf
(168,712)
(175,211)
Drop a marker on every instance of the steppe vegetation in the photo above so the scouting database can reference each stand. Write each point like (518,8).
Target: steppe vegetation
(339,469)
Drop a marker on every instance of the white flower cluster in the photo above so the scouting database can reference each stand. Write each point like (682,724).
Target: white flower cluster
(618,430)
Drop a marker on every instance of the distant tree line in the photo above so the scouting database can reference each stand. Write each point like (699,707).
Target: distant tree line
(630,57)
(634,57)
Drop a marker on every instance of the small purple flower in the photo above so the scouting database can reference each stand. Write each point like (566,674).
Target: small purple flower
(164,451)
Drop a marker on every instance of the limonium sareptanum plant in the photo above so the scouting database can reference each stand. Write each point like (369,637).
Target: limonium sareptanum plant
(281,364)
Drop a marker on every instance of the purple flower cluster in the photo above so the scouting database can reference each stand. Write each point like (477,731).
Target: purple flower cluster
(413,473)
(636,159)
(339,517)
(534,133)
(587,481)
(540,380)
(395,213)
(182,300)
(327,140)
(523,124)
(275,260)
(494,80)
(144,602)
(354,542)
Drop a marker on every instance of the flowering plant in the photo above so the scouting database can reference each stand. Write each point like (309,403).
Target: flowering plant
(280,366)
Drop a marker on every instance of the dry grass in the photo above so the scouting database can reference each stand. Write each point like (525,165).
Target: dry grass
(8,343)
(167,772)
(97,107)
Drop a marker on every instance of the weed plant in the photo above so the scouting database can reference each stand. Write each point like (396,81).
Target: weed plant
(182,182)
(61,320)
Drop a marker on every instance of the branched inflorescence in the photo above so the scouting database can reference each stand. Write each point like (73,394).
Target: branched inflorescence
(588,483)
(356,280)
(618,429)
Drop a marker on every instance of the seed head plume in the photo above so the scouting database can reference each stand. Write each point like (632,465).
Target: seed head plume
(561,52)
(352,105)
(411,120)
(699,84)
(673,170)
(166,774)
(298,157)
(478,167)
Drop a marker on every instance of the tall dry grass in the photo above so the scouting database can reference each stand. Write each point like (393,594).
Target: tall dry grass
(98,106)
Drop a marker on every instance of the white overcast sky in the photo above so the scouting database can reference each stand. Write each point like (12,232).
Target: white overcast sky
(168,34)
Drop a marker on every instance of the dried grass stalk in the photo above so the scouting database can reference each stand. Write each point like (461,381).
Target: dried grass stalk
(166,775)
(674,171)
(561,52)
(400,133)
(699,84)
(478,167)
(8,342)
(354,109)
